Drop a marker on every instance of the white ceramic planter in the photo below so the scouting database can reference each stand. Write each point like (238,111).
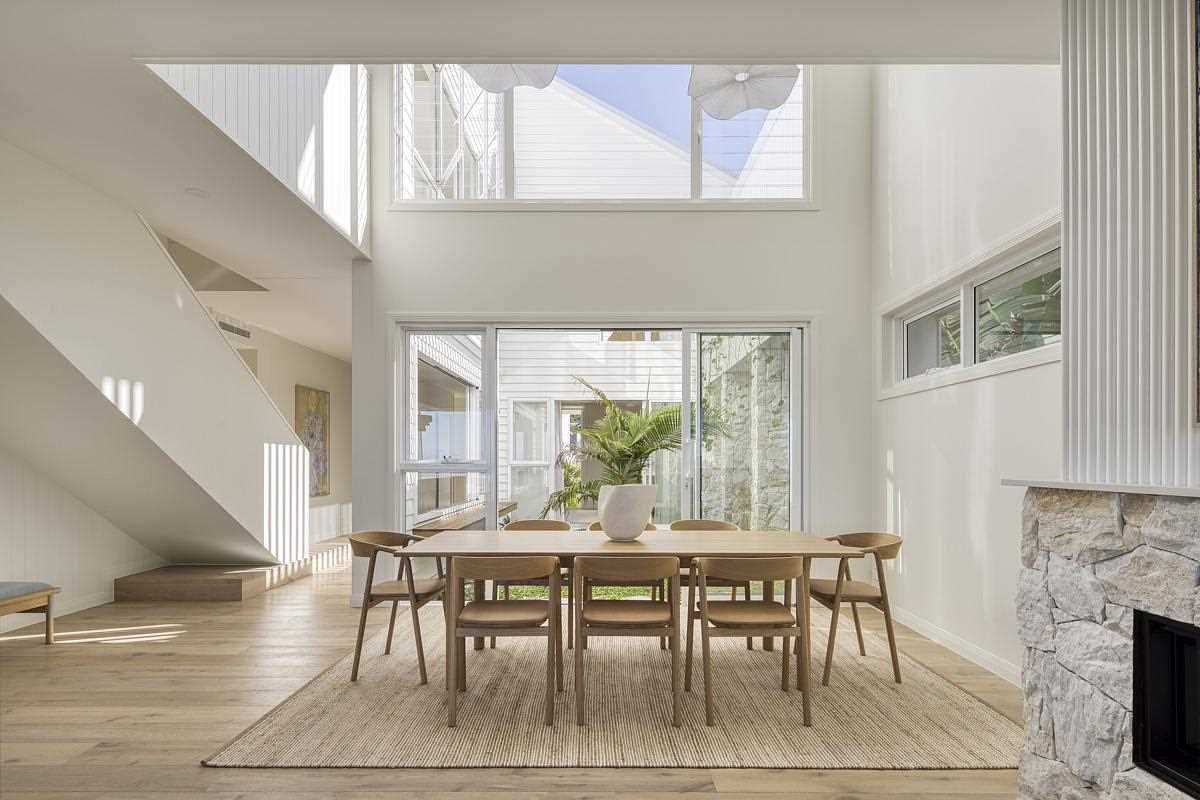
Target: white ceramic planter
(625,510)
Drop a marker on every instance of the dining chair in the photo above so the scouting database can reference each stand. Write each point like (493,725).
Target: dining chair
(728,618)
(480,618)
(416,591)
(651,618)
(712,525)
(834,593)
(550,526)
(657,590)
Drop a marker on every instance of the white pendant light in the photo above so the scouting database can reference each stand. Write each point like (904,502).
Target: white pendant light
(499,78)
(724,91)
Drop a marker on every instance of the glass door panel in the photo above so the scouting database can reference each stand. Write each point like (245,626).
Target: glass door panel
(744,430)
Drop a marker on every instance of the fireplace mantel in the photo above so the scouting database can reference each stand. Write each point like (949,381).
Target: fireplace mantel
(1117,488)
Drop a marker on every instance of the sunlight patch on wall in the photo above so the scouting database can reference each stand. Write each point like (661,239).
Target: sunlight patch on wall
(285,500)
(128,396)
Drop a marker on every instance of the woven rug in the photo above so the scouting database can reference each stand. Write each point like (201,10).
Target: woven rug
(862,720)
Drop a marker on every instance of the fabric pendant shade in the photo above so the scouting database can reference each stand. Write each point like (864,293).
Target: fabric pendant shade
(499,78)
(724,91)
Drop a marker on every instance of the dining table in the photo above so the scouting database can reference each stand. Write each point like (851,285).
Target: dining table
(685,545)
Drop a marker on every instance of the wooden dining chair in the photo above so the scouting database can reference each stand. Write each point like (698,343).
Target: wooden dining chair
(712,525)
(480,618)
(415,591)
(651,618)
(657,588)
(548,526)
(834,593)
(767,618)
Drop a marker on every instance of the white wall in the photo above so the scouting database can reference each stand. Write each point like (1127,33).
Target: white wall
(964,157)
(48,535)
(282,364)
(804,264)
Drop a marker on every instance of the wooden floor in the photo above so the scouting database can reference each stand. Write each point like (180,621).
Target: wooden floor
(137,693)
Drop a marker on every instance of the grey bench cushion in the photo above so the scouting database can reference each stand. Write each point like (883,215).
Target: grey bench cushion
(10,589)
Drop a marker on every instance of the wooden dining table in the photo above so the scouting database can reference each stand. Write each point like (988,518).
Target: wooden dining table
(685,545)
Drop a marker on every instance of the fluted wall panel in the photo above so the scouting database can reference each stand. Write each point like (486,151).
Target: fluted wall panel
(1129,233)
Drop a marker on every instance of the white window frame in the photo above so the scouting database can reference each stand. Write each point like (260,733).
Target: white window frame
(695,203)
(958,286)
(904,323)
(801,330)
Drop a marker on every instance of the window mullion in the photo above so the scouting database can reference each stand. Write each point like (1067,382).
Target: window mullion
(510,149)
(967,325)
(697,152)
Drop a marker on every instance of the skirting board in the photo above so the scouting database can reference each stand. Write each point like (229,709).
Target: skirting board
(973,653)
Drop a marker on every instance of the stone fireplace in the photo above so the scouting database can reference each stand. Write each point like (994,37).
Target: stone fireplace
(1090,560)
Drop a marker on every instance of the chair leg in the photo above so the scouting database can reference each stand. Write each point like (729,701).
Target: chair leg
(708,689)
(787,686)
(675,694)
(49,619)
(416,619)
(362,625)
(462,665)
(833,623)
(691,628)
(862,647)
(495,596)
(891,634)
(558,654)
(746,594)
(580,705)
(551,638)
(452,680)
(387,647)
(570,609)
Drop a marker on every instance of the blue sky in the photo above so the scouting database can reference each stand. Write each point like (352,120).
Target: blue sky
(656,95)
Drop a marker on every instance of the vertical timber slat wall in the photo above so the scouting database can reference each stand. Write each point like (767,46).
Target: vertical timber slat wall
(1129,232)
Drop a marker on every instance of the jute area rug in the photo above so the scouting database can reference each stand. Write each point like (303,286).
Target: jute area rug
(862,720)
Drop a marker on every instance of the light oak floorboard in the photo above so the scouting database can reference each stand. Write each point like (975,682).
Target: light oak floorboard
(137,693)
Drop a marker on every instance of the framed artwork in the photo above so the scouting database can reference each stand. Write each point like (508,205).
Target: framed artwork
(312,426)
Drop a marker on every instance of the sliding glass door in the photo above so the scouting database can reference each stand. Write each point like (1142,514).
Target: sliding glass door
(745,434)
(498,423)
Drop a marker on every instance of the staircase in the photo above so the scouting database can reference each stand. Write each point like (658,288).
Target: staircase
(118,385)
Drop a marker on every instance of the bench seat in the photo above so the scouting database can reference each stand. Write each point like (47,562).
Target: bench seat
(17,597)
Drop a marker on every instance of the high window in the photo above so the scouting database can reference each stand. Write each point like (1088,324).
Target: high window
(603,132)
(1009,304)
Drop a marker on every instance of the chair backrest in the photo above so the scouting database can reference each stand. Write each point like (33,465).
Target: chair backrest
(885,545)
(626,568)
(703,525)
(751,569)
(597,526)
(365,543)
(513,568)
(538,525)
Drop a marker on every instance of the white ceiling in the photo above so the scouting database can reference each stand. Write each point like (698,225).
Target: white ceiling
(73,93)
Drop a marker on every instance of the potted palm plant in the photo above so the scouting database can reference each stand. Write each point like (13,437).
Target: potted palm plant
(622,443)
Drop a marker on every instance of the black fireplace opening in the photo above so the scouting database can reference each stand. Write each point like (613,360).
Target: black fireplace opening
(1166,700)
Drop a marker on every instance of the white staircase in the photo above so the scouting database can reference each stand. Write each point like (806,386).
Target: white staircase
(116,383)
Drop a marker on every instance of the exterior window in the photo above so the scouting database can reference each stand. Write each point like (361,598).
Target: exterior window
(933,341)
(1019,310)
(450,135)
(596,132)
(757,154)
(444,410)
